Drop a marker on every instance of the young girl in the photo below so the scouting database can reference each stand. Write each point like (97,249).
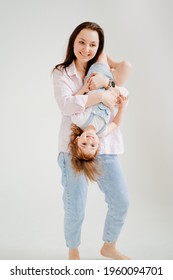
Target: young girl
(94,122)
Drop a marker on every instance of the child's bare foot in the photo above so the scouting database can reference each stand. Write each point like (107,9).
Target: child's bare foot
(109,251)
(74,254)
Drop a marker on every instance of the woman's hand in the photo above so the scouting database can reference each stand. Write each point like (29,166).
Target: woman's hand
(109,99)
(97,80)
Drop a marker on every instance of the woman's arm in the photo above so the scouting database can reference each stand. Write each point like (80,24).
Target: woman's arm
(70,104)
(107,97)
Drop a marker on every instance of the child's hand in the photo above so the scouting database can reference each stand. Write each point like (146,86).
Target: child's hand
(84,89)
(97,80)
(121,101)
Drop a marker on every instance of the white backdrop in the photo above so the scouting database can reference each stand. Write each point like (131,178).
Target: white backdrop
(34,35)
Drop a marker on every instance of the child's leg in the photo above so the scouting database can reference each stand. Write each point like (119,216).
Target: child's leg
(102,58)
(121,72)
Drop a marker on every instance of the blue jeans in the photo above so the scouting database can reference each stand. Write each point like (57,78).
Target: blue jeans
(111,183)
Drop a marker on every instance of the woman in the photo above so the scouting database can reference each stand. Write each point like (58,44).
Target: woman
(84,47)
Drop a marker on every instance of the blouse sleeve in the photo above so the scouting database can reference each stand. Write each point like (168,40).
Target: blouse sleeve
(64,91)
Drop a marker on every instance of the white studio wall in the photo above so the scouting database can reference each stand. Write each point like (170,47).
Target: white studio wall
(34,36)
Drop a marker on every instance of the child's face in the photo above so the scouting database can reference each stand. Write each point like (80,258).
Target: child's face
(88,142)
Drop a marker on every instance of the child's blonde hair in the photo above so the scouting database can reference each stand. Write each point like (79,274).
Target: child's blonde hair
(82,162)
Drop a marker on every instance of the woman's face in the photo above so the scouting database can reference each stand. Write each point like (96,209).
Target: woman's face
(86,45)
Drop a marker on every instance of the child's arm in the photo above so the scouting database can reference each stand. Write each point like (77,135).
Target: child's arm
(116,121)
(85,88)
(121,102)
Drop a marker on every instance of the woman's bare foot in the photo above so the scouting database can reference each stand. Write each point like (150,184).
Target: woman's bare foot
(109,251)
(74,254)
